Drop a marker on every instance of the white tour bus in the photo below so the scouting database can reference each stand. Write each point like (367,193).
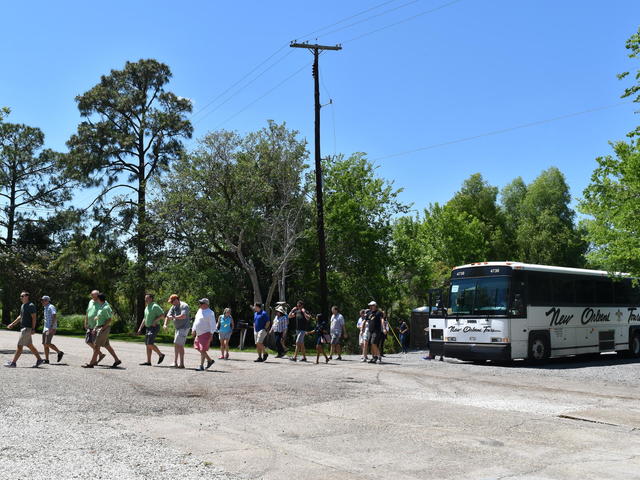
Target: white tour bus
(510,310)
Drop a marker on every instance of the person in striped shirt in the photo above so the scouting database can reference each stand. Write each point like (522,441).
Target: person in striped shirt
(279,328)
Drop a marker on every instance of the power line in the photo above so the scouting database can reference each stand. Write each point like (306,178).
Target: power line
(302,37)
(425,12)
(263,95)
(266,60)
(242,88)
(241,79)
(370,18)
(503,130)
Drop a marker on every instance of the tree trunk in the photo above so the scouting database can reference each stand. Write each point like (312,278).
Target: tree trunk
(7,290)
(250,268)
(282,296)
(141,244)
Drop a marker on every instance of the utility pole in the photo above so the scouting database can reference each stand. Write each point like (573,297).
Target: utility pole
(322,248)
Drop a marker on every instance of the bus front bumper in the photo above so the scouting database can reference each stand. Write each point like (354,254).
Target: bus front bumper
(475,351)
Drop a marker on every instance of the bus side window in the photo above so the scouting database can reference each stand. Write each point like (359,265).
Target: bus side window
(563,290)
(539,288)
(623,293)
(604,292)
(585,290)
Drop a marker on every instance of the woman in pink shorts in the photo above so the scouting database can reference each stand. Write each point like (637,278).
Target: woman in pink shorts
(204,325)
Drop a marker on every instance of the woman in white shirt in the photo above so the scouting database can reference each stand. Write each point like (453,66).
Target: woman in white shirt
(204,326)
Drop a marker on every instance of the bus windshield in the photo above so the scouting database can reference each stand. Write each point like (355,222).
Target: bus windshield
(480,296)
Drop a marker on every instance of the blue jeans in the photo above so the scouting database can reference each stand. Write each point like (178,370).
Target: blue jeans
(279,347)
(404,342)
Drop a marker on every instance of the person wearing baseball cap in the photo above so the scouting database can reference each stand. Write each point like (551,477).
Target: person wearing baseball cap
(374,316)
(49,329)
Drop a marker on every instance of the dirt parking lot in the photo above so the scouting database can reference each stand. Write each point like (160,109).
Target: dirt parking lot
(406,419)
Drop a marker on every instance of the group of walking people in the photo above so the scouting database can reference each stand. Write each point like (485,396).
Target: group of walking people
(372,325)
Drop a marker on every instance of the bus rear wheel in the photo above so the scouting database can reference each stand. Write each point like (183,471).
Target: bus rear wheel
(538,348)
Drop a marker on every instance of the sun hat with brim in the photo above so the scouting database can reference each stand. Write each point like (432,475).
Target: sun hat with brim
(372,304)
(280,309)
(46,297)
(204,300)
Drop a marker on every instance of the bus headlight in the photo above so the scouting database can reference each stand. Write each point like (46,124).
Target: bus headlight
(450,339)
(499,340)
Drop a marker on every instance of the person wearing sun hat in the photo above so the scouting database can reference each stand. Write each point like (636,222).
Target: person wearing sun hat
(279,328)
(204,325)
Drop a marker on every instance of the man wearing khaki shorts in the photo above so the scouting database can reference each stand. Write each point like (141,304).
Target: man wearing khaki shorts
(90,322)
(179,313)
(102,329)
(27,321)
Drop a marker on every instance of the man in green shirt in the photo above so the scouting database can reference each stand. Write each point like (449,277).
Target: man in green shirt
(102,327)
(153,315)
(90,322)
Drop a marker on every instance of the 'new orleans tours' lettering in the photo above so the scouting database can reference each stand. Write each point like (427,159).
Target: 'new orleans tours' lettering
(467,329)
(633,317)
(556,318)
(591,316)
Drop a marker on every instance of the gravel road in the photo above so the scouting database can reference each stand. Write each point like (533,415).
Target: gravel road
(406,419)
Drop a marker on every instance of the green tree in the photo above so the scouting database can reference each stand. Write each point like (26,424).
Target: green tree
(477,200)
(547,233)
(611,201)
(360,208)
(241,199)
(133,130)
(633,91)
(30,180)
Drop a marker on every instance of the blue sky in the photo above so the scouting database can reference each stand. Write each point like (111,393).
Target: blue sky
(472,67)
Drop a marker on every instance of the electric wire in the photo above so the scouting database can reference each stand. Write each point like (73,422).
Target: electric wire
(264,94)
(501,131)
(243,87)
(266,60)
(302,37)
(369,18)
(420,14)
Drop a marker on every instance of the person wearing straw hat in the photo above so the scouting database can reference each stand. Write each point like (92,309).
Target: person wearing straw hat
(279,328)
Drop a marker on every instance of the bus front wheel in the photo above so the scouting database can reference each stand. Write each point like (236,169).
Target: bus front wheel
(538,348)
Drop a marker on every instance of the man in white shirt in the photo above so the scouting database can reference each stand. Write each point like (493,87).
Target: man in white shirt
(204,326)
(337,332)
(49,330)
